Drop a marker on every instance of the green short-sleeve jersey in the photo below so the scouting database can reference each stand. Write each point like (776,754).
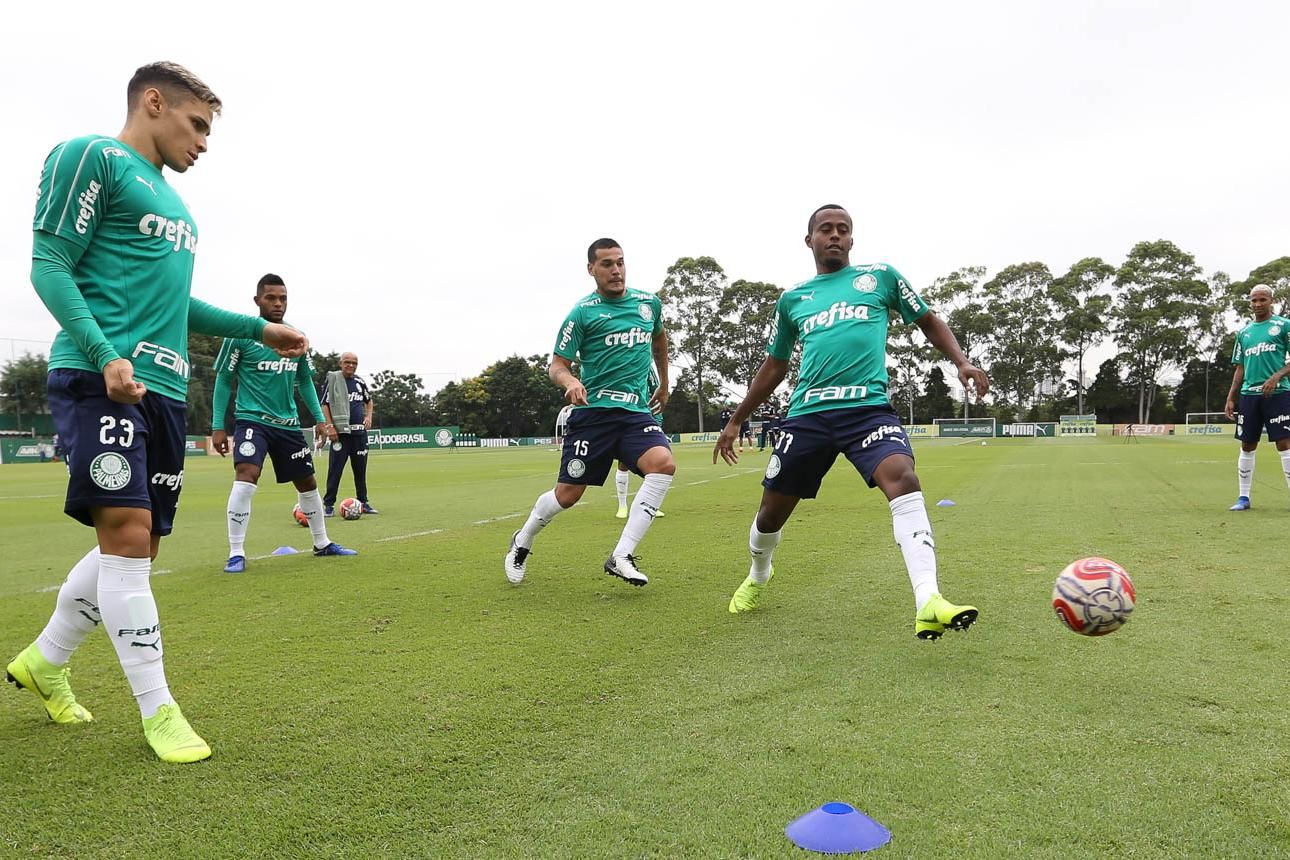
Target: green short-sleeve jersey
(266,383)
(841,320)
(136,267)
(1261,347)
(613,339)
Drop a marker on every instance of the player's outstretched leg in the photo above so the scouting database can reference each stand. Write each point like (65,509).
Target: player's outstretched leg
(42,667)
(933,614)
(649,498)
(311,505)
(239,520)
(544,510)
(130,617)
(762,548)
(621,477)
(1244,480)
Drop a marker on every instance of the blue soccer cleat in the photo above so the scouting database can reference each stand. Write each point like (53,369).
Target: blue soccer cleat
(334,548)
(368,509)
(1242,504)
(236,564)
(329,510)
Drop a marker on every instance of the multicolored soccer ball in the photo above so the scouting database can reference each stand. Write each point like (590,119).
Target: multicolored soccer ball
(1093,596)
(299,516)
(351,509)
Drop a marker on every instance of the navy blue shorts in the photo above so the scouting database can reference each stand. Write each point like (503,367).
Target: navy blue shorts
(596,437)
(119,455)
(292,456)
(808,445)
(1256,412)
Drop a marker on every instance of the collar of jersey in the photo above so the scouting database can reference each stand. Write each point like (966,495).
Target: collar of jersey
(818,279)
(145,162)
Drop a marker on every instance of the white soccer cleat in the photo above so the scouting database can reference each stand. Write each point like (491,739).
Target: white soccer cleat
(624,567)
(516,558)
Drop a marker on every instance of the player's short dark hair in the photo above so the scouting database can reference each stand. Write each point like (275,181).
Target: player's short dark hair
(269,280)
(171,78)
(810,225)
(601,245)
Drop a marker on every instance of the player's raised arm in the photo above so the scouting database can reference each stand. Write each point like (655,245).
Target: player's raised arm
(941,337)
(769,376)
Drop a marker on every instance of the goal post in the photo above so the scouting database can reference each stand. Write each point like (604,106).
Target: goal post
(1208,424)
(1208,418)
(965,427)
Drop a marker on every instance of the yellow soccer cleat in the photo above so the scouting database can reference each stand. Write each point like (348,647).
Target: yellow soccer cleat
(748,593)
(31,671)
(622,512)
(939,615)
(172,739)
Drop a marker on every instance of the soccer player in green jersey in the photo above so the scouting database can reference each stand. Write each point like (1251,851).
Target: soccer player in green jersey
(615,333)
(840,406)
(268,424)
(1260,393)
(112,259)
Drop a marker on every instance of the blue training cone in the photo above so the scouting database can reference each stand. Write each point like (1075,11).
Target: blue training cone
(837,828)
(945,503)
(285,550)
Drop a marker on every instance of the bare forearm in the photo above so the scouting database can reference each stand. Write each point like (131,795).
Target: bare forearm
(940,336)
(660,363)
(560,374)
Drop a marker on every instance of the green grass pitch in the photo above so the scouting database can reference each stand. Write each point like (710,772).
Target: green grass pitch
(411,703)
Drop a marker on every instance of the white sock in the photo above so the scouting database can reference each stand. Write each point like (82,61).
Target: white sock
(311,506)
(649,498)
(130,618)
(239,516)
(1285,465)
(762,546)
(914,535)
(621,478)
(1245,471)
(76,614)
(544,510)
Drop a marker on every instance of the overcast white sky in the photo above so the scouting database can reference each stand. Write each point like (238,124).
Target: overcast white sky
(427,181)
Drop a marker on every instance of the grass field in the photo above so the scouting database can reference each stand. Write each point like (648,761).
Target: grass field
(411,703)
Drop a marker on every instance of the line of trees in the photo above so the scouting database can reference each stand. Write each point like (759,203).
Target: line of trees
(1168,325)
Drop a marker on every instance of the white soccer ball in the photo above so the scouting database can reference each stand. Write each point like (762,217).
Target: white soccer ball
(1093,596)
(351,509)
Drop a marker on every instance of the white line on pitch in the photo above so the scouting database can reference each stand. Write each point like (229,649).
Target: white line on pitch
(49,588)
(412,535)
(488,520)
